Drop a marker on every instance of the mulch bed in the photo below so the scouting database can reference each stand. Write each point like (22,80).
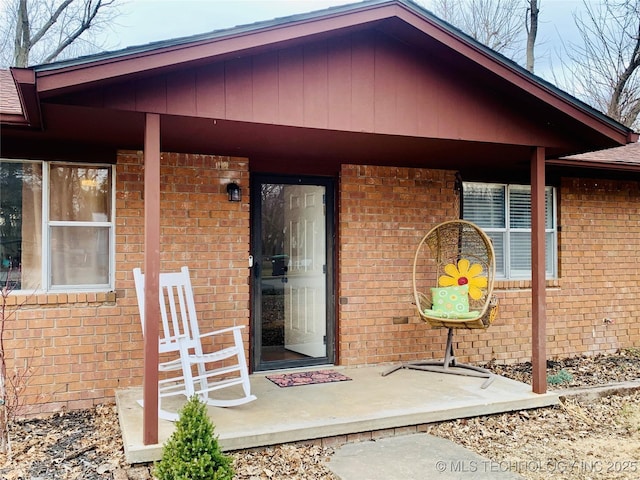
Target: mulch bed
(87,444)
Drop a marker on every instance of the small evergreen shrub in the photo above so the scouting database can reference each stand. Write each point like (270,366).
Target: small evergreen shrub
(561,377)
(192,452)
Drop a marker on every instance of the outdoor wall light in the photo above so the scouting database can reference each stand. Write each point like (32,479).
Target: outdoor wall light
(235,192)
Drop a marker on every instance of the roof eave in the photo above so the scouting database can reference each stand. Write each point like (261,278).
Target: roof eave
(26,85)
(616,166)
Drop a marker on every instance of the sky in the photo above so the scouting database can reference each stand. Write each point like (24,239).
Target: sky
(145,21)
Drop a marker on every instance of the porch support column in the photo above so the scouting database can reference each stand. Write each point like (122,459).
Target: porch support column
(151,276)
(538,290)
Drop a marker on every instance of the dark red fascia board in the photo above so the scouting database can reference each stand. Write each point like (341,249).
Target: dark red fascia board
(13,119)
(619,166)
(25,81)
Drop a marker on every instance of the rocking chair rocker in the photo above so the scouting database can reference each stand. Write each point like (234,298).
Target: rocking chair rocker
(180,335)
(453,275)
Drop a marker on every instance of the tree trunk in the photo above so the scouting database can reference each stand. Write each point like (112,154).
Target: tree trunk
(22,43)
(532,32)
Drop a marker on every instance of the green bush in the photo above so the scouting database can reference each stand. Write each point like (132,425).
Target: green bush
(561,377)
(192,452)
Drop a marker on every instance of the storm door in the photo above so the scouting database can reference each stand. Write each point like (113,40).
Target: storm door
(292,304)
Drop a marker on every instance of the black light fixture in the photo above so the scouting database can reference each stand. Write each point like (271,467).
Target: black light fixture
(235,192)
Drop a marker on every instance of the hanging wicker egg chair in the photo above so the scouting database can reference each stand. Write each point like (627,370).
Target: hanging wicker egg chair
(453,276)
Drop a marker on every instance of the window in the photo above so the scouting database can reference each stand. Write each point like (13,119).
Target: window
(504,213)
(56,226)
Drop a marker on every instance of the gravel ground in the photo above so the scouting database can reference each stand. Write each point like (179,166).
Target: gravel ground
(578,439)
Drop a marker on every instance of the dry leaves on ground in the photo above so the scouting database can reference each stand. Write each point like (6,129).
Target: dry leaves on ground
(598,439)
(575,440)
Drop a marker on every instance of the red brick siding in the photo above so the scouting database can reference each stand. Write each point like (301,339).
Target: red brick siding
(385,211)
(83,346)
(383,214)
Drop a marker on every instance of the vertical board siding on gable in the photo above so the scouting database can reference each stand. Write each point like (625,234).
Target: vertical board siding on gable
(265,88)
(362,113)
(210,91)
(183,86)
(152,94)
(291,86)
(388,73)
(339,84)
(315,84)
(238,89)
(364,82)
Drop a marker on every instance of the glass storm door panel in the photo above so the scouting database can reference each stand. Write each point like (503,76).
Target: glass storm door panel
(290,274)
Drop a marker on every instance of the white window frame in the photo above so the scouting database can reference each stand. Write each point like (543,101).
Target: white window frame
(551,233)
(47,224)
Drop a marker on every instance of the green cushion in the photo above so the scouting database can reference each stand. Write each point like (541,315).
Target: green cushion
(451,300)
(457,316)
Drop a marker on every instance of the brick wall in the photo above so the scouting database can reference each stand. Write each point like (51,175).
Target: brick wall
(80,347)
(384,212)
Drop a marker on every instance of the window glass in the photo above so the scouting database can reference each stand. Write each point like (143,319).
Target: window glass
(490,205)
(79,256)
(75,250)
(79,214)
(520,250)
(519,207)
(484,204)
(499,247)
(20,225)
(79,193)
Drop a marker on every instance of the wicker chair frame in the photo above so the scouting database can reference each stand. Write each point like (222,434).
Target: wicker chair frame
(444,244)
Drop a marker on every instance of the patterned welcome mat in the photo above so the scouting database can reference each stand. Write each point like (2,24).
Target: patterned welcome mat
(307,378)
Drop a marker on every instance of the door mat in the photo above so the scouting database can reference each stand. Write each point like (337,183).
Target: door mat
(307,378)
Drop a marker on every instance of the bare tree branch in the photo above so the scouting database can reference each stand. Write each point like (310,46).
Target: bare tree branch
(91,9)
(50,22)
(44,30)
(605,66)
(495,23)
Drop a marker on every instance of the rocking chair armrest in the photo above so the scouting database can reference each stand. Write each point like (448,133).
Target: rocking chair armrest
(220,332)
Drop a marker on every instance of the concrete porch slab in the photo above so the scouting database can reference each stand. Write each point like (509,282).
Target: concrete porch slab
(368,402)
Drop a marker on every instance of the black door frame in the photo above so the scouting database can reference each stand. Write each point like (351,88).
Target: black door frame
(257,364)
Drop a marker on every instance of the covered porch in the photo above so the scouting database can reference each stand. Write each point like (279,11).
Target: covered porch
(368,406)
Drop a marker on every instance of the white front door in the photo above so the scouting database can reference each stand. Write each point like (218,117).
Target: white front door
(305,325)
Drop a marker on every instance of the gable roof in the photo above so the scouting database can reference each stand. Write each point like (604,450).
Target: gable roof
(53,85)
(401,18)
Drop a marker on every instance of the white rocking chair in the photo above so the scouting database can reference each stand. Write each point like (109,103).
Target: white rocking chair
(180,335)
